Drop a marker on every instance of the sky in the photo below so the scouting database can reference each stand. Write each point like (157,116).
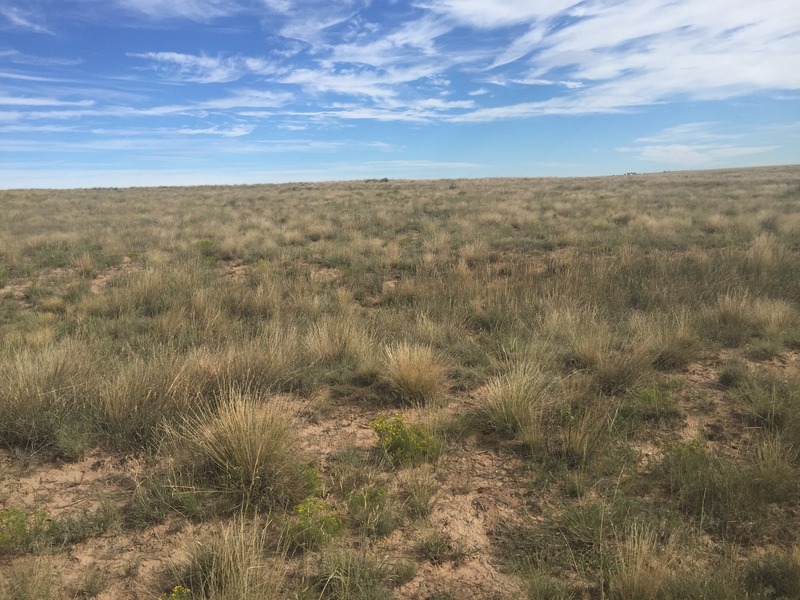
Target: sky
(117,93)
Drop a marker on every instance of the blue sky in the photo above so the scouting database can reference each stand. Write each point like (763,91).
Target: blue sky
(179,92)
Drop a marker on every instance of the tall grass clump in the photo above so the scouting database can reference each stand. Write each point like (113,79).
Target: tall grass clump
(643,566)
(230,564)
(737,317)
(332,340)
(615,363)
(766,254)
(347,575)
(45,397)
(731,497)
(270,361)
(245,449)
(415,372)
(32,580)
(774,575)
(140,396)
(517,399)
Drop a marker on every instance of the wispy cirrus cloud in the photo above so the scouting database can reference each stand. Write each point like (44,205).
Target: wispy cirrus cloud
(409,43)
(498,13)
(193,68)
(647,53)
(195,10)
(232,132)
(23,19)
(33,101)
(697,155)
(308,20)
(697,145)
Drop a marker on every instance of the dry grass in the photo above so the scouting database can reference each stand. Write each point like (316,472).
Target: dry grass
(517,400)
(416,372)
(230,564)
(643,565)
(246,447)
(556,345)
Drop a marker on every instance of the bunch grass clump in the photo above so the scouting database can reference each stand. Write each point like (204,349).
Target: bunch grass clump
(44,397)
(415,372)
(230,564)
(246,448)
(517,399)
(344,574)
(729,498)
(643,565)
(737,317)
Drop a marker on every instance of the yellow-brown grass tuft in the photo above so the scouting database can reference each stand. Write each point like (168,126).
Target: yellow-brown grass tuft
(246,448)
(416,373)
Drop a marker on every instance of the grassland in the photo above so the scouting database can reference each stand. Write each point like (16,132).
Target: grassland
(511,388)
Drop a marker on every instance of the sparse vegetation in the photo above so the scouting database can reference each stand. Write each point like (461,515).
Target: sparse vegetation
(402,442)
(511,388)
(246,449)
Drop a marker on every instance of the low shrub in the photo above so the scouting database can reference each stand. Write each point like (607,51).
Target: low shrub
(402,442)
(312,524)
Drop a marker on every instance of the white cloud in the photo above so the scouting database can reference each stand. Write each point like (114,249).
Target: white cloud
(697,132)
(36,129)
(573,85)
(233,132)
(28,101)
(23,20)
(245,98)
(411,42)
(201,68)
(497,13)
(197,10)
(648,52)
(684,155)
(24,77)
(699,144)
(308,20)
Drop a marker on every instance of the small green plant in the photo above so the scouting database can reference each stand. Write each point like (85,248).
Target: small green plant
(372,510)
(439,548)
(419,491)
(93,584)
(177,593)
(733,374)
(20,530)
(403,443)
(773,576)
(653,405)
(313,524)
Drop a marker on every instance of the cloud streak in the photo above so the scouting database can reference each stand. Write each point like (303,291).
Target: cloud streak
(191,68)
(20,19)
